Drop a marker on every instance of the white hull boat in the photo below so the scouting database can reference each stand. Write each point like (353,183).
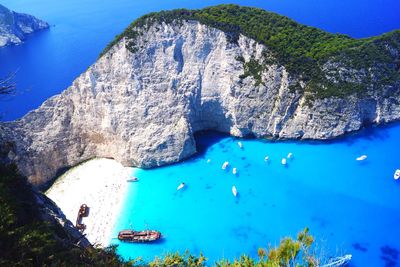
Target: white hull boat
(234,171)
(240,144)
(283,161)
(182,185)
(234,191)
(361,158)
(396,174)
(225,165)
(290,155)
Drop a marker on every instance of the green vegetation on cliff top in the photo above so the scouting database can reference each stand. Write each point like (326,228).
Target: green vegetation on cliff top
(303,50)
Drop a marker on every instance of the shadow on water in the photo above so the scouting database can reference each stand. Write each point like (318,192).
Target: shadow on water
(360,247)
(205,139)
(390,256)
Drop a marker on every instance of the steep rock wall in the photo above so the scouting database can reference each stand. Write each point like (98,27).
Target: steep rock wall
(143,108)
(15,26)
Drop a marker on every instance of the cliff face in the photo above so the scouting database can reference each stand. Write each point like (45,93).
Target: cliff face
(15,26)
(143,107)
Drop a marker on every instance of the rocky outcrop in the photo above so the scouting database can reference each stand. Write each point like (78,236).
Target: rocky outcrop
(15,26)
(143,107)
(52,214)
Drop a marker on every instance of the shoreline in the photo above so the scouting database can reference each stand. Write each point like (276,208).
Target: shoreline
(101,185)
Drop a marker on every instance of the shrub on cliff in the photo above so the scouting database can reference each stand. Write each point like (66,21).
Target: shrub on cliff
(303,50)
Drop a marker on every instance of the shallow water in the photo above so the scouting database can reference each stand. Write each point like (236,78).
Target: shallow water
(350,207)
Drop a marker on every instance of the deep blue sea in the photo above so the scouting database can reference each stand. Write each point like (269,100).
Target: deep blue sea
(350,207)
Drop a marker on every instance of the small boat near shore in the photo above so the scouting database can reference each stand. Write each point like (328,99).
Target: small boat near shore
(139,236)
(240,145)
(133,179)
(290,155)
(283,161)
(396,175)
(234,191)
(361,158)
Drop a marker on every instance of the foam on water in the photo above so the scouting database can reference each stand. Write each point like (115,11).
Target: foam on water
(349,206)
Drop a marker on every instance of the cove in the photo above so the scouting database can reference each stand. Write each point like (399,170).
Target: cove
(350,207)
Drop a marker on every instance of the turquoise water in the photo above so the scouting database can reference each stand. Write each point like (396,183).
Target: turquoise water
(350,207)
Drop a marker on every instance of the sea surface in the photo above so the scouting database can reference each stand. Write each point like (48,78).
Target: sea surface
(350,207)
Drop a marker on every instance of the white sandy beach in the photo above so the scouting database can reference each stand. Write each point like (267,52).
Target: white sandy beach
(101,185)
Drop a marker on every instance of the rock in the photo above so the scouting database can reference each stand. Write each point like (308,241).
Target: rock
(15,26)
(52,214)
(142,108)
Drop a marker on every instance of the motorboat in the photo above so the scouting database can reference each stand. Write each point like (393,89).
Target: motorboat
(234,171)
(396,174)
(182,185)
(234,191)
(283,161)
(133,179)
(361,158)
(290,155)
(240,144)
(225,165)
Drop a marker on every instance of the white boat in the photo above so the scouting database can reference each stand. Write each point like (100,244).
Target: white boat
(209,160)
(234,170)
(266,158)
(283,161)
(290,155)
(234,191)
(361,158)
(396,174)
(240,144)
(133,179)
(225,165)
(182,185)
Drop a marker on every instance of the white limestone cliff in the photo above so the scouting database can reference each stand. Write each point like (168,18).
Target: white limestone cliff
(143,108)
(15,26)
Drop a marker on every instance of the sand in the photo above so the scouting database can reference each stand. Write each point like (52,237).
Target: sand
(101,185)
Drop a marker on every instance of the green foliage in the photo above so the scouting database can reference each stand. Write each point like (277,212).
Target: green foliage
(254,69)
(27,240)
(290,252)
(303,50)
